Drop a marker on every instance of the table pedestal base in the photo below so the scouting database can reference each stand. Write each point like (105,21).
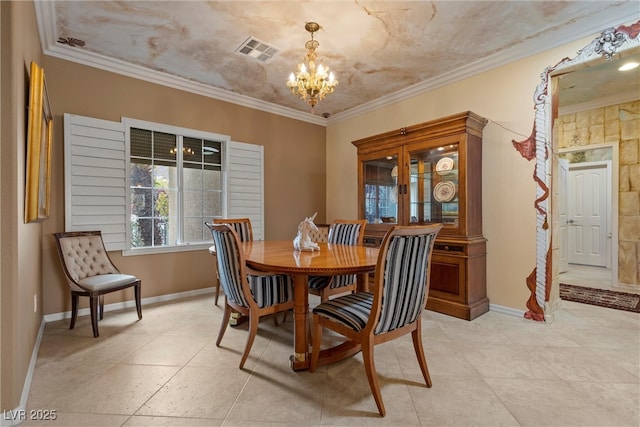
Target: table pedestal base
(236,318)
(299,362)
(279,257)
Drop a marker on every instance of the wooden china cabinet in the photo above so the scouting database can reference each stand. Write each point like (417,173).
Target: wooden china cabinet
(425,173)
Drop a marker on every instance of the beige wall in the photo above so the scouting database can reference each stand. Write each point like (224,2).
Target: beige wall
(20,243)
(618,124)
(505,97)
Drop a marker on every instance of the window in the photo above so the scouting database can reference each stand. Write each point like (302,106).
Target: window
(175,186)
(150,187)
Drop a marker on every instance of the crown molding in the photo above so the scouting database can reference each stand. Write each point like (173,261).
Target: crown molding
(137,72)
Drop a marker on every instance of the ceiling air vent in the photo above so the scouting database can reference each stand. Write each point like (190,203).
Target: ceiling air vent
(257,49)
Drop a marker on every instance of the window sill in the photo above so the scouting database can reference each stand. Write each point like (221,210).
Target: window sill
(167,249)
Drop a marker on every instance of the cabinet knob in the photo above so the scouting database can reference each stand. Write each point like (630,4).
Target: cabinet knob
(446,247)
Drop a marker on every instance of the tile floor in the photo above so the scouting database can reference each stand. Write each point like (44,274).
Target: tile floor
(594,277)
(581,369)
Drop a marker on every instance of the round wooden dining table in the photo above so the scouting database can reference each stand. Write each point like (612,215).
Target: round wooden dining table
(278,256)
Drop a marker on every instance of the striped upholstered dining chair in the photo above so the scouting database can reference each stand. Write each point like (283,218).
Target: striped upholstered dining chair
(248,292)
(393,309)
(346,232)
(242,227)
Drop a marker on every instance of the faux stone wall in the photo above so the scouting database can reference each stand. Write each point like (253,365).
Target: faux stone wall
(614,124)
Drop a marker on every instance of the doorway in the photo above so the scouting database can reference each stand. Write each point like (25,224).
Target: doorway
(588,206)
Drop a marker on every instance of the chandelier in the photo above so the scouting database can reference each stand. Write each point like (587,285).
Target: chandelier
(310,83)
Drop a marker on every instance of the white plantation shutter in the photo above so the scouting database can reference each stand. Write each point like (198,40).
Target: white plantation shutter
(245,189)
(94,171)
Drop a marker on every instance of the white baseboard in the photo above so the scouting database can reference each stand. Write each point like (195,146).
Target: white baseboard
(506,310)
(13,417)
(131,303)
(624,287)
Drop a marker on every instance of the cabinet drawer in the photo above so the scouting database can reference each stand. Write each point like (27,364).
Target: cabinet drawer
(372,242)
(450,248)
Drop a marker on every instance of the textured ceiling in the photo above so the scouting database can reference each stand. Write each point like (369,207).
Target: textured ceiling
(380,51)
(601,80)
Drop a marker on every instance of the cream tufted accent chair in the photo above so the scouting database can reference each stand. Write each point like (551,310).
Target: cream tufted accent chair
(90,273)
(322,235)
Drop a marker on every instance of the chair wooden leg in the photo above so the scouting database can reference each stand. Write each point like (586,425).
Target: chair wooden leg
(225,321)
(217,288)
(324,294)
(253,330)
(316,339)
(101,302)
(372,376)
(74,310)
(93,307)
(137,292)
(422,360)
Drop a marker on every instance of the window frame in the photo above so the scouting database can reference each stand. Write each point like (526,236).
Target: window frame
(180,133)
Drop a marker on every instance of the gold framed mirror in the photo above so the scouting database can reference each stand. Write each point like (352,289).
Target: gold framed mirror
(39,138)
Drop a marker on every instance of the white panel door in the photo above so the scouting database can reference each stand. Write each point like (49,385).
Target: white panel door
(587,209)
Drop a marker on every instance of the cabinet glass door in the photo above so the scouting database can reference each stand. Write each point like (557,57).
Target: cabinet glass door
(381,190)
(434,186)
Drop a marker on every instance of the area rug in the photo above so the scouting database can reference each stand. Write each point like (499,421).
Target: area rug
(600,297)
